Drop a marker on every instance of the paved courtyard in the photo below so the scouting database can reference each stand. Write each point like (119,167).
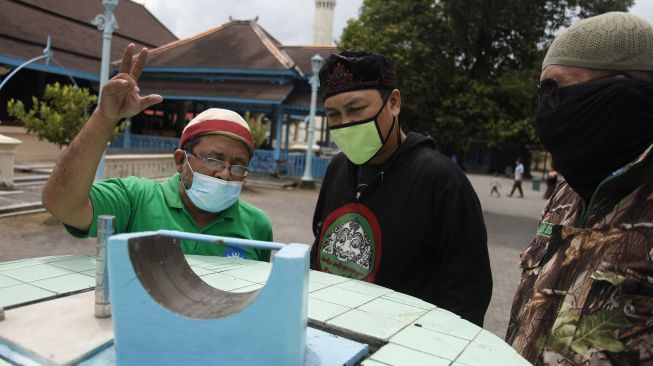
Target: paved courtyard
(511,223)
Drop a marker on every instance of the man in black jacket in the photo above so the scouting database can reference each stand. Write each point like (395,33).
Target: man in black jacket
(392,210)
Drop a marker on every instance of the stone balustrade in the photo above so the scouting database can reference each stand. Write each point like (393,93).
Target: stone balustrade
(140,165)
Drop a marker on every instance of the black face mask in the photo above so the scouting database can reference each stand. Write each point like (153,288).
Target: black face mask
(594,128)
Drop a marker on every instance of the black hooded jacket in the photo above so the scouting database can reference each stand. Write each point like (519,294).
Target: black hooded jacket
(417,228)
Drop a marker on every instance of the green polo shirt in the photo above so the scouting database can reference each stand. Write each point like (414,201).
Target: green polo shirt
(140,204)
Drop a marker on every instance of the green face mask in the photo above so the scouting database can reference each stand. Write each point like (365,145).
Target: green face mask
(360,141)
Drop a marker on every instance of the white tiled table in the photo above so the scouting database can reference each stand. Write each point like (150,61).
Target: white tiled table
(408,330)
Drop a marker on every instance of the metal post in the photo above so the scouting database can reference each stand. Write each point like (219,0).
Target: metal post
(105,228)
(307,179)
(279,136)
(127,134)
(287,144)
(106,23)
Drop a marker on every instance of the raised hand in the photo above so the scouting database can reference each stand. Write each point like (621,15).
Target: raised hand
(119,97)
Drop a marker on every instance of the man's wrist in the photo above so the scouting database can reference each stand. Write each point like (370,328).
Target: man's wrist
(106,121)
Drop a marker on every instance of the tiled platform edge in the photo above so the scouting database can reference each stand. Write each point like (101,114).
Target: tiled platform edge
(401,330)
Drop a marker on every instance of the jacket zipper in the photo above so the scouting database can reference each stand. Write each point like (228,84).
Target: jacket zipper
(374,182)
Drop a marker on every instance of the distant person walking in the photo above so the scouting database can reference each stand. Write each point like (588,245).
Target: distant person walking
(518,177)
(551,183)
(495,184)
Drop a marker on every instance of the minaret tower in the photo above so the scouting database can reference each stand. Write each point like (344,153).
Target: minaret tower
(323,23)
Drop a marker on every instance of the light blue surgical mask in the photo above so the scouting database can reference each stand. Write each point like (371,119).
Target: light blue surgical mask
(212,194)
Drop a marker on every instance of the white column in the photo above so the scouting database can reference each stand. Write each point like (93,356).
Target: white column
(7,156)
(323,22)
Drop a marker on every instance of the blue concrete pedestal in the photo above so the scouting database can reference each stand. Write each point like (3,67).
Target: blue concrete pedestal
(322,349)
(164,314)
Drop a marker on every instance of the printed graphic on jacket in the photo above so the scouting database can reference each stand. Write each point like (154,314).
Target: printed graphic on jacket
(350,243)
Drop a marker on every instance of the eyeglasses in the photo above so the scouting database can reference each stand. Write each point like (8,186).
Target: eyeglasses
(235,170)
(548,91)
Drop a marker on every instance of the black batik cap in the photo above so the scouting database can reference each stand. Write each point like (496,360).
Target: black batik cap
(355,69)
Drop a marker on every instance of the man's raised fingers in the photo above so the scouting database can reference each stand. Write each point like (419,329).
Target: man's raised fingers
(137,68)
(126,63)
(150,100)
(114,86)
(126,77)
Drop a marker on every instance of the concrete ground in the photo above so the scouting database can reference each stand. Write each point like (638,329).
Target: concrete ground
(511,224)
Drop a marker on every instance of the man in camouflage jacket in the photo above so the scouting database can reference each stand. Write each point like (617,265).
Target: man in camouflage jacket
(586,292)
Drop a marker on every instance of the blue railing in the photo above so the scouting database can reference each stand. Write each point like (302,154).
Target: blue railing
(146,142)
(288,164)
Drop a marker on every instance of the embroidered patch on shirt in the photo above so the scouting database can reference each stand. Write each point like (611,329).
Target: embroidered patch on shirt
(236,252)
(545,229)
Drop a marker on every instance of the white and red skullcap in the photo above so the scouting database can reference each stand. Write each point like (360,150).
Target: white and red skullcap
(216,121)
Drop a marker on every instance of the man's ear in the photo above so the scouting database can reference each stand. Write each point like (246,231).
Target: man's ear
(180,158)
(395,102)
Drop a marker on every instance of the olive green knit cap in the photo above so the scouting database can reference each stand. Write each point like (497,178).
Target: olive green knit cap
(610,41)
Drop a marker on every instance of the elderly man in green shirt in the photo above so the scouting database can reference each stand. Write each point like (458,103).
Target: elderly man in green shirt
(203,197)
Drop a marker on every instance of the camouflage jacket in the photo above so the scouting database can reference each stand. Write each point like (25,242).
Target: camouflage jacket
(586,291)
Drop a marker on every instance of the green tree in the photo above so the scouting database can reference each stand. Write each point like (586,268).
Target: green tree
(59,115)
(259,132)
(467,68)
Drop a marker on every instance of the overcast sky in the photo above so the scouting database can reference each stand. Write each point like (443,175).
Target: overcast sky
(290,21)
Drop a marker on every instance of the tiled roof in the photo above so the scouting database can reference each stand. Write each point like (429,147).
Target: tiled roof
(194,89)
(77,44)
(302,55)
(302,98)
(239,44)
